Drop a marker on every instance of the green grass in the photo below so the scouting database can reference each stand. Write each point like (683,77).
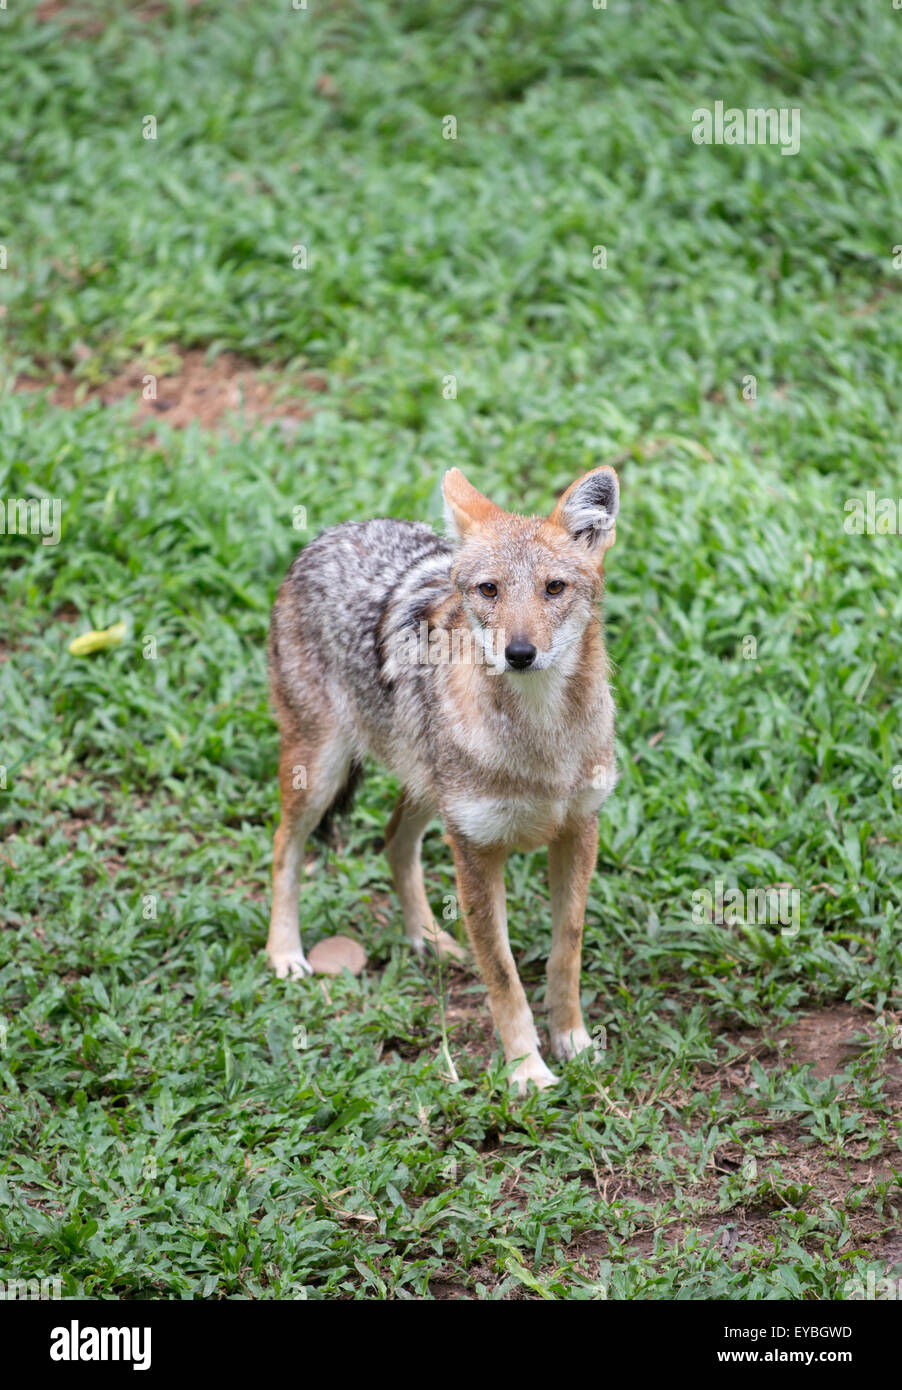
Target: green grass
(162,1133)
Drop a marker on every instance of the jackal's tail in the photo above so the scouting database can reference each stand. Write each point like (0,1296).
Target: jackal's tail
(341,804)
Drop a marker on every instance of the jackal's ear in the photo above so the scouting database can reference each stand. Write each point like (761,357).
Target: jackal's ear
(589,508)
(465,508)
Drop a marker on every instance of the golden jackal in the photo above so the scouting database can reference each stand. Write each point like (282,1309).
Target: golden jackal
(476,671)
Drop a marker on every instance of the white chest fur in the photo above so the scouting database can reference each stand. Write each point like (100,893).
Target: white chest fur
(493,820)
(525,821)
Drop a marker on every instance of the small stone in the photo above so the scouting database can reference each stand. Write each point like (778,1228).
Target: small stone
(337,953)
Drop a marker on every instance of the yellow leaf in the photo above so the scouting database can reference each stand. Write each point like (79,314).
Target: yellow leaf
(97,641)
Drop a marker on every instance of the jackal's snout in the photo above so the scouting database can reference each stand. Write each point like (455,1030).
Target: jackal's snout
(520,654)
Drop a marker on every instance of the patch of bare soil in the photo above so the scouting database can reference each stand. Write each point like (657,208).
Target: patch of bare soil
(829,1041)
(444,1289)
(198,389)
(49,9)
(826,1039)
(84,20)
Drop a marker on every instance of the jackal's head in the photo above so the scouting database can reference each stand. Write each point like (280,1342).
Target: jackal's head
(529,584)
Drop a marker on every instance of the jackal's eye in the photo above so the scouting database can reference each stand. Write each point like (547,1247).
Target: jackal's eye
(555,586)
(488,590)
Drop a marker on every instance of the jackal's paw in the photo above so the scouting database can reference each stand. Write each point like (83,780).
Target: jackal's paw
(532,1068)
(439,943)
(292,965)
(567,1045)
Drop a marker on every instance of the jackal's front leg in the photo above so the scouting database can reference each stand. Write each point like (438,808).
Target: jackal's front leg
(480,886)
(571,860)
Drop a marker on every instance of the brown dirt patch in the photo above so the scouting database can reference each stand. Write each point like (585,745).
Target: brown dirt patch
(88,21)
(198,388)
(444,1289)
(826,1039)
(49,9)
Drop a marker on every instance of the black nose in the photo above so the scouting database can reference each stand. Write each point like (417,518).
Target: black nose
(519,654)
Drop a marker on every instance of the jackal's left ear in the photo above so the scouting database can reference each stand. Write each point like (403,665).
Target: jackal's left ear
(589,508)
(465,508)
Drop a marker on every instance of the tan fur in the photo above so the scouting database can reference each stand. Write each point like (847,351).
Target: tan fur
(571,860)
(469,507)
(318,758)
(509,756)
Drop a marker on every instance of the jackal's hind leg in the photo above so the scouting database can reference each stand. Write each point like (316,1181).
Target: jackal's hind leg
(310,778)
(403,843)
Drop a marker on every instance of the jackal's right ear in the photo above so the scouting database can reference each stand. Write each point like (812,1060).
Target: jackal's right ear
(465,508)
(588,509)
